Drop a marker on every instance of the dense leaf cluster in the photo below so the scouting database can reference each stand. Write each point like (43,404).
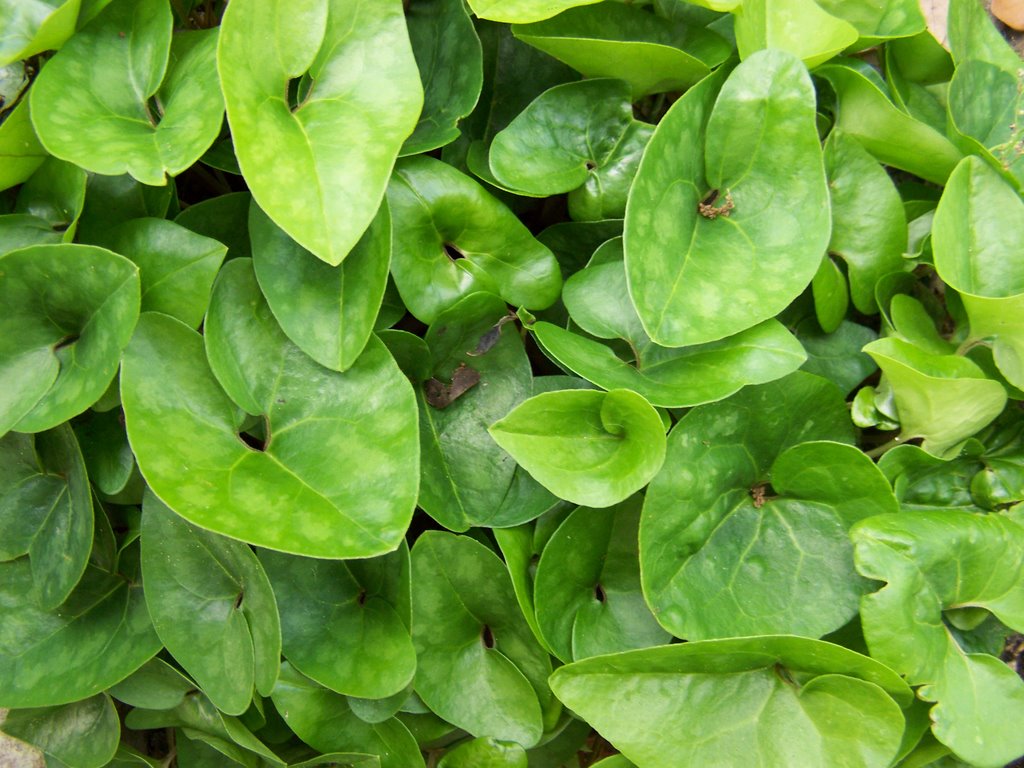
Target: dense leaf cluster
(510,385)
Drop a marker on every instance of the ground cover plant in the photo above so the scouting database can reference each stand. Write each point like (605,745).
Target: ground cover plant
(526,384)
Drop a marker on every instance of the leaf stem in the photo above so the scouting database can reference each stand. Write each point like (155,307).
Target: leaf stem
(877,451)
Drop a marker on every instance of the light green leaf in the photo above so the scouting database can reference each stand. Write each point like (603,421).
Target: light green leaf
(587,585)
(593,448)
(176,266)
(83,734)
(831,297)
(121,97)
(942,398)
(878,20)
(480,667)
(893,137)
(328,312)
(800,27)
(722,552)
(622,41)
(485,753)
(20,151)
(764,701)
(319,169)
(449,58)
(155,685)
(522,11)
(452,238)
(46,510)
(35,26)
(346,624)
(324,720)
(183,429)
(69,311)
(714,243)
(47,207)
(933,562)
(972,35)
(869,227)
(212,606)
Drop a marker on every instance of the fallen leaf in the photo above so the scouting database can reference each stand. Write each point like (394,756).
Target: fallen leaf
(440,395)
(1010,12)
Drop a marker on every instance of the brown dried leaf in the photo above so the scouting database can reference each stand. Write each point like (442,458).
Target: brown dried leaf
(936,14)
(440,395)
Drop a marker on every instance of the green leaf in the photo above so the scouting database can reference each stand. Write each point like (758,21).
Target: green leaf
(212,606)
(593,448)
(46,510)
(324,720)
(108,456)
(154,685)
(183,429)
(891,136)
(972,35)
(319,169)
(878,21)
(224,218)
(923,482)
(33,27)
(727,220)
(800,27)
(622,41)
(452,238)
(837,356)
(480,667)
(522,11)
(83,734)
(99,636)
(722,552)
(328,312)
(346,624)
(176,266)
(587,589)
(942,398)
(20,151)
(47,207)
(449,58)
(831,297)
(113,200)
(121,97)
(485,753)
(932,562)
(970,241)
(869,227)
(745,701)
(61,339)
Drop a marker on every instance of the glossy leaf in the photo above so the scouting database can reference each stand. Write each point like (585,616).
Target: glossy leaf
(182,427)
(878,21)
(464,609)
(932,562)
(83,734)
(346,624)
(154,685)
(837,356)
(593,448)
(712,524)
(942,398)
(91,102)
(452,238)
(328,312)
(618,40)
(20,150)
(587,589)
(713,243)
(751,701)
(320,169)
(224,218)
(323,719)
(801,27)
(212,606)
(46,510)
(485,753)
(176,267)
(69,312)
(113,200)
(47,207)
(34,27)
(522,11)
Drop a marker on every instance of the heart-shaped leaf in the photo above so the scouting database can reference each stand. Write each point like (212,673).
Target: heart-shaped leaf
(618,40)
(83,734)
(587,447)
(712,523)
(122,97)
(587,589)
(761,701)
(327,311)
(319,168)
(212,606)
(69,311)
(346,624)
(46,510)
(290,488)
(464,608)
(933,562)
(452,238)
(727,220)
(801,27)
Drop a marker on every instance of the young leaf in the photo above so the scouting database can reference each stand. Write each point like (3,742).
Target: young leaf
(121,97)
(762,701)
(801,27)
(212,606)
(727,220)
(319,168)
(593,448)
